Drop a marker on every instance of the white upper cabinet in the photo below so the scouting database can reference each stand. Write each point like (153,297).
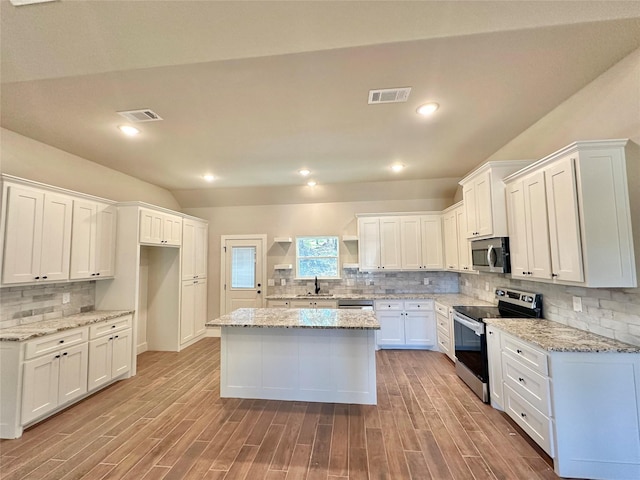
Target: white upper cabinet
(570,217)
(457,248)
(528,227)
(93,240)
(37,235)
(160,228)
(421,242)
(195,234)
(379,246)
(400,242)
(483,196)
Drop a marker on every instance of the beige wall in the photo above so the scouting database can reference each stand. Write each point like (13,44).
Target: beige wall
(291,220)
(27,158)
(609,107)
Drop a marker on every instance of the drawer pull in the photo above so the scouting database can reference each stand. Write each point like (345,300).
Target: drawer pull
(519,351)
(65,354)
(523,415)
(490,333)
(57,356)
(113,326)
(61,341)
(521,380)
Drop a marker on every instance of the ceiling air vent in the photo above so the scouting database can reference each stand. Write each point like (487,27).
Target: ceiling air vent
(144,115)
(389,95)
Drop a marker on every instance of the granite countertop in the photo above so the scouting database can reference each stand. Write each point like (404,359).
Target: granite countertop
(298,318)
(556,337)
(47,327)
(449,299)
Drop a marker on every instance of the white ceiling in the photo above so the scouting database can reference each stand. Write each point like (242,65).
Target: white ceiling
(253,91)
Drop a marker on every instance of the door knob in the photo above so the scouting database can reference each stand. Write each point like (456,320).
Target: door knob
(258,291)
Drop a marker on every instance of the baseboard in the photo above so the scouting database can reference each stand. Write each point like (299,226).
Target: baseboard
(143,347)
(213,332)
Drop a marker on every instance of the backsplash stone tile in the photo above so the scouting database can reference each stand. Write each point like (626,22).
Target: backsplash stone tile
(21,305)
(362,283)
(612,313)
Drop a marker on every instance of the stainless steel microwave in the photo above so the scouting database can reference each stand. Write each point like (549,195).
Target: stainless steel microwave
(491,255)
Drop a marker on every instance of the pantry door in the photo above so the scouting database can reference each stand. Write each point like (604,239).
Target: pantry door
(243,272)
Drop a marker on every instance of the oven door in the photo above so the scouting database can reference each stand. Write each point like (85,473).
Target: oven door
(471,354)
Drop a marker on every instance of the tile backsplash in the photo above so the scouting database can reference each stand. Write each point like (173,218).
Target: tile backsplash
(22,305)
(610,312)
(363,283)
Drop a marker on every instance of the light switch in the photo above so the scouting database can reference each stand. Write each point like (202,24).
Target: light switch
(283,282)
(271,282)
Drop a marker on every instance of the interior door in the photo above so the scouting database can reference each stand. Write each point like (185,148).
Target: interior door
(243,272)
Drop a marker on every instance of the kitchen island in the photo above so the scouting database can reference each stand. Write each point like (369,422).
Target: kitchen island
(316,355)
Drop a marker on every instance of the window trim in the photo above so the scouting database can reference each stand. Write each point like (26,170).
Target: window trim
(337,257)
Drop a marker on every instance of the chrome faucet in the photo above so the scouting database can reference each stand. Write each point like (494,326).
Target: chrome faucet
(317,287)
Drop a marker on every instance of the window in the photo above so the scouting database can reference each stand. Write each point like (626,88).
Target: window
(317,256)
(243,267)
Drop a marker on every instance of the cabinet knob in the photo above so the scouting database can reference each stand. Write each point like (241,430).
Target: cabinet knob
(113,326)
(65,353)
(61,341)
(44,277)
(523,415)
(98,273)
(93,274)
(37,278)
(520,379)
(57,356)
(553,275)
(490,333)
(518,351)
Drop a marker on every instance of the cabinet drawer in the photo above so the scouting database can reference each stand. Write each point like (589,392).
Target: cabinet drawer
(444,342)
(529,384)
(441,309)
(532,421)
(527,354)
(443,324)
(418,305)
(51,343)
(389,305)
(113,325)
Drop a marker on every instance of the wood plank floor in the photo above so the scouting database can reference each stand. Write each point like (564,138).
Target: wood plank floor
(169,423)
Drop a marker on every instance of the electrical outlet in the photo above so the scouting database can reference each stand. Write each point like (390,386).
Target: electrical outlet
(271,282)
(577,304)
(425,281)
(66,297)
(283,282)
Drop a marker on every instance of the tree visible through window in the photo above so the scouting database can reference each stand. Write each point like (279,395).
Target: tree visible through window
(317,257)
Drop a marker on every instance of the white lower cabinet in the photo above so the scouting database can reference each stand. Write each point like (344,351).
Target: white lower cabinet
(444,328)
(43,375)
(193,314)
(278,303)
(494,353)
(53,380)
(109,357)
(406,324)
(313,304)
(582,408)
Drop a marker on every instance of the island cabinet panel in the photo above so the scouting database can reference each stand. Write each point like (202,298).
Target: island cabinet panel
(300,364)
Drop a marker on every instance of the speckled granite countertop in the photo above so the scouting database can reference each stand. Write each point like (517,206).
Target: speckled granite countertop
(47,327)
(449,299)
(298,318)
(556,337)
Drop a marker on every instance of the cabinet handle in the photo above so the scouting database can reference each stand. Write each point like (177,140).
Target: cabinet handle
(65,353)
(61,341)
(110,338)
(553,275)
(113,326)
(57,356)
(518,351)
(37,278)
(520,379)
(44,277)
(98,273)
(117,336)
(523,415)
(93,274)
(490,333)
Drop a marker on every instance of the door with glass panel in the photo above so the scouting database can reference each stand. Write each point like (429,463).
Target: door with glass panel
(242,282)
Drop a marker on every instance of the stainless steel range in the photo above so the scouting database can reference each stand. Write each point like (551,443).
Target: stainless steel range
(469,334)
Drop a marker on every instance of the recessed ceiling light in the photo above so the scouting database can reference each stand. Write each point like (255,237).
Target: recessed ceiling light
(304,172)
(129,130)
(312,183)
(427,108)
(397,167)
(208,177)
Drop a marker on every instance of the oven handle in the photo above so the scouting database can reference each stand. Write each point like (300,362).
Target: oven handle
(477,327)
